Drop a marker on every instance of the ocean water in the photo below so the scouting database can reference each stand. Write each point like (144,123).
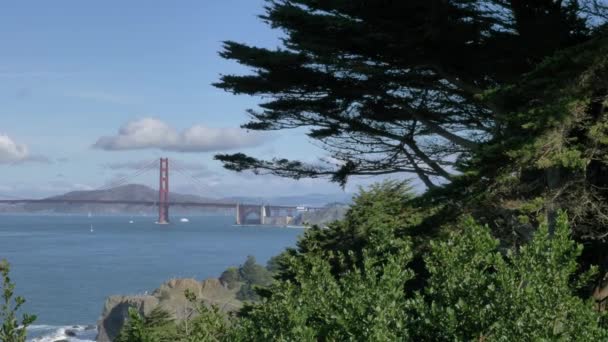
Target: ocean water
(65,271)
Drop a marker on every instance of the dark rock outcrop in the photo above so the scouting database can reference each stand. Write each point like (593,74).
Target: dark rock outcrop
(169,296)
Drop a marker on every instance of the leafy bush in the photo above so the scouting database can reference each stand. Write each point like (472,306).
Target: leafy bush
(12,330)
(382,212)
(366,304)
(350,283)
(476,293)
(251,275)
(230,277)
(208,323)
(157,326)
(202,324)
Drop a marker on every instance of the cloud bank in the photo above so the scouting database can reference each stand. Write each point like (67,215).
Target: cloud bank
(151,133)
(11,151)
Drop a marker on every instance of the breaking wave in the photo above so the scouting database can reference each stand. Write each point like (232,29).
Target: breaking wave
(52,333)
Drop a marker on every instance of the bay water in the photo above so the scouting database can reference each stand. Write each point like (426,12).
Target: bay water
(65,266)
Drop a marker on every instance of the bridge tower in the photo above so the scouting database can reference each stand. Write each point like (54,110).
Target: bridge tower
(163,192)
(238,214)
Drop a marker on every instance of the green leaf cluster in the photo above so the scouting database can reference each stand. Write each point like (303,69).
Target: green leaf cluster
(11,329)
(203,324)
(351,282)
(477,293)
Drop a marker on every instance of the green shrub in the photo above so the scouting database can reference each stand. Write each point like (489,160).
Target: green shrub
(350,283)
(230,277)
(476,293)
(252,275)
(157,326)
(12,330)
(365,304)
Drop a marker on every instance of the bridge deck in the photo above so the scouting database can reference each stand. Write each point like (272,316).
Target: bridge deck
(145,203)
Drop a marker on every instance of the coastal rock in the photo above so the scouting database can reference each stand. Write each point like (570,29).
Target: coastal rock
(116,311)
(170,296)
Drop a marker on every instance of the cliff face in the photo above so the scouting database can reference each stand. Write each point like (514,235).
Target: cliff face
(169,296)
(116,310)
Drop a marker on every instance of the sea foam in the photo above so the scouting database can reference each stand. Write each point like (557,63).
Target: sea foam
(51,333)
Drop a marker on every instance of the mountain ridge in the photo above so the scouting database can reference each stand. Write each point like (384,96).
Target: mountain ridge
(139,192)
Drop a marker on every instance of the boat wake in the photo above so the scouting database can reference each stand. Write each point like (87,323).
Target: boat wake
(52,333)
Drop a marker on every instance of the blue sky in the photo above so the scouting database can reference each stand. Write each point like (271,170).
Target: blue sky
(73,73)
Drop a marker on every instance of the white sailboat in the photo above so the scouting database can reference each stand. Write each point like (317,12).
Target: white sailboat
(92,230)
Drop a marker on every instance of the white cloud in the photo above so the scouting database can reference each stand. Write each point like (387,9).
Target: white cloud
(11,151)
(150,133)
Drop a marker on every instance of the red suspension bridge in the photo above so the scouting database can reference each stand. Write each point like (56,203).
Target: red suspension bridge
(262,213)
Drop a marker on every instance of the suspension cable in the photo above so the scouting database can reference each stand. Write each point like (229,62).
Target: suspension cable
(197,182)
(126,178)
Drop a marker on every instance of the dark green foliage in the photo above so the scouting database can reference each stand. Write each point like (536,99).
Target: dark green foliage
(247,292)
(380,212)
(134,330)
(499,107)
(476,293)
(550,152)
(157,326)
(251,275)
(366,304)
(475,289)
(254,273)
(274,264)
(511,119)
(207,324)
(395,86)
(158,317)
(230,277)
(203,324)
(12,330)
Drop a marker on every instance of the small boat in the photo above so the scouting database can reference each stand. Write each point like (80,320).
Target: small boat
(183,219)
(92,230)
(131,221)
(89,215)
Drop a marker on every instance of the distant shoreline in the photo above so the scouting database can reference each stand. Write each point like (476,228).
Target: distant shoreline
(271,226)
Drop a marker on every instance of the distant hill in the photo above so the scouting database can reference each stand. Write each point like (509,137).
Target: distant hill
(310,200)
(137,192)
(130,192)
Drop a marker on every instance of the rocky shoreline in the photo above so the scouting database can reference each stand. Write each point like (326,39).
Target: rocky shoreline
(169,296)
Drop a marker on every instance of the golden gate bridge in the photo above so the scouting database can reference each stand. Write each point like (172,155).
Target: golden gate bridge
(264,214)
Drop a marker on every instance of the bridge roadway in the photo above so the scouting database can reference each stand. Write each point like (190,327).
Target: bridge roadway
(146,203)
